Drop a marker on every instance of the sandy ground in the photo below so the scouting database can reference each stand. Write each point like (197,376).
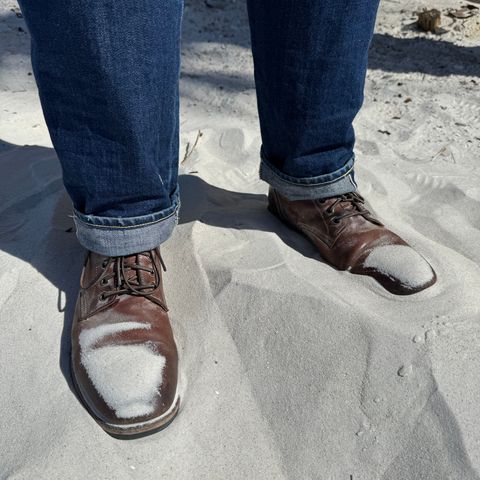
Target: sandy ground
(291,366)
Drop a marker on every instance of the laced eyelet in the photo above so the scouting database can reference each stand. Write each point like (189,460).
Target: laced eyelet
(104,281)
(102,297)
(329,210)
(335,220)
(105,263)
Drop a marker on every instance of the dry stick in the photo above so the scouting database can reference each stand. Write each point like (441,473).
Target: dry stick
(189,151)
(440,152)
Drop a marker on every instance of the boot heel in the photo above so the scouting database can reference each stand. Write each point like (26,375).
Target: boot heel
(273,206)
(273,210)
(276,209)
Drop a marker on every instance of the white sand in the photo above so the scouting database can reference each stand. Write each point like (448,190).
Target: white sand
(294,370)
(127,377)
(401,263)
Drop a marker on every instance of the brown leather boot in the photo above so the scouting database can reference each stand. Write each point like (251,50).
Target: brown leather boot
(350,238)
(124,357)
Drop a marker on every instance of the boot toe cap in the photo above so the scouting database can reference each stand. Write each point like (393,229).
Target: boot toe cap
(127,377)
(399,268)
(126,384)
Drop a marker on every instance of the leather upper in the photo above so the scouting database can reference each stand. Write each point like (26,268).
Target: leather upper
(124,357)
(350,238)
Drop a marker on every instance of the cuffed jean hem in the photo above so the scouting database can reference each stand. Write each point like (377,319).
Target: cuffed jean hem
(118,236)
(323,186)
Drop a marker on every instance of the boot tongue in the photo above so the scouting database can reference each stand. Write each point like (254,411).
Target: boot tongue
(133,275)
(340,204)
(346,204)
(136,276)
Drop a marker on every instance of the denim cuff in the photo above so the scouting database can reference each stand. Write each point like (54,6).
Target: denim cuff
(116,236)
(332,184)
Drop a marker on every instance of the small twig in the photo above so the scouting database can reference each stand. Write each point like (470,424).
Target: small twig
(188,150)
(440,152)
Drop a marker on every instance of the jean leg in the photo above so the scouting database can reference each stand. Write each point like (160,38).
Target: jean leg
(107,73)
(310,60)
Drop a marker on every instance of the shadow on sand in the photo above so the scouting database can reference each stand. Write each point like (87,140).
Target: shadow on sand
(36,224)
(35,227)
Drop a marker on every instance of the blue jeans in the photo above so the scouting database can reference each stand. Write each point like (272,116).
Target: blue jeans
(108,77)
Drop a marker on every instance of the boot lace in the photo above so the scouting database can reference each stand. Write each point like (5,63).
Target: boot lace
(356,206)
(129,279)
